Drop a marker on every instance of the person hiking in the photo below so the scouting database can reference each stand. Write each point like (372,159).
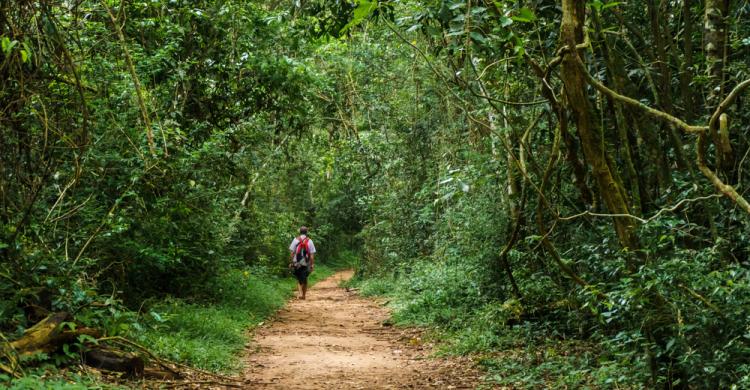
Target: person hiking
(302,259)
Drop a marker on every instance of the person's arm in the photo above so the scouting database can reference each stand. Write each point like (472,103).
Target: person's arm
(311,247)
(291,253)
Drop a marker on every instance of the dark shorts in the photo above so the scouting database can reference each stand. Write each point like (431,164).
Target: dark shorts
(301,274)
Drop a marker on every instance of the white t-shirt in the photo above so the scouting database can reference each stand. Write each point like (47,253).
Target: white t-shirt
(295,242)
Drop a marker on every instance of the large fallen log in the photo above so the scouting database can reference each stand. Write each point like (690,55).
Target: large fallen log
(48,335)
(41,337)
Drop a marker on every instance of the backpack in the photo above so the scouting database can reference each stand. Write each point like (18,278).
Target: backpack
(302,253)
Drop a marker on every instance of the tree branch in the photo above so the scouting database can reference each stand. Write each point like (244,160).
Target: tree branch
(661,115)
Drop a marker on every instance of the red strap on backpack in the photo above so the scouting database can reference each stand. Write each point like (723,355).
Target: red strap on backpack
(301,243)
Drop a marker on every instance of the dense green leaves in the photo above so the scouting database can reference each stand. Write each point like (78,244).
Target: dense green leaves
(435,137)
(481,168)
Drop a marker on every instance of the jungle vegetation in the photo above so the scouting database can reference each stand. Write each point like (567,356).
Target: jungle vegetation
(557,186)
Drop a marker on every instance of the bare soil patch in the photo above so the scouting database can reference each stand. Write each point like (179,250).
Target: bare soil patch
(336,339)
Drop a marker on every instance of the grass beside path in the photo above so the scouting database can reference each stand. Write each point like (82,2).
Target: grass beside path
(443,298)
(211,334)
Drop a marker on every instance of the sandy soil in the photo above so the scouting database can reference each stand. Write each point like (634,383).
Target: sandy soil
(338,340)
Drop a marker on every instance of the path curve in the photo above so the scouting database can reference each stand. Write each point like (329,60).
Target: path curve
(338,340)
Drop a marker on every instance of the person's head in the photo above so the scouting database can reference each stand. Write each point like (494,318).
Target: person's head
(303,230)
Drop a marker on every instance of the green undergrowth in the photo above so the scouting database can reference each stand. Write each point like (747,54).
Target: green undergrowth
(462,321)
(211,333)
(51,379)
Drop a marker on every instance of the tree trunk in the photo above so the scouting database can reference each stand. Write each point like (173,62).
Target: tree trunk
(596,154)
(571,155)
(651,139)
(714,36)
(686,67)
(511,195)
(616,75)
(659,31)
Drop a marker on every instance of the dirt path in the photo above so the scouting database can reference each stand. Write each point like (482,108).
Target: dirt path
(337,340)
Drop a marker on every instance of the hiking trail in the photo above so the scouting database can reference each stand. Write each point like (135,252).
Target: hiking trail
(336,339)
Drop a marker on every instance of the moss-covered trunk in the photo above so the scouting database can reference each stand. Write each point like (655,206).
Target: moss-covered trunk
(612,193)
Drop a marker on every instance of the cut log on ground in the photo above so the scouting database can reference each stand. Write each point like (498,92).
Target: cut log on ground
(132,365)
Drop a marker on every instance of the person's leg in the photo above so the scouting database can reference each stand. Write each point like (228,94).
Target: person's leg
(305,273)
(301,280)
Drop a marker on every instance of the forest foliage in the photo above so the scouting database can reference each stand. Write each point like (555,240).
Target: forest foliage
(561,178)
